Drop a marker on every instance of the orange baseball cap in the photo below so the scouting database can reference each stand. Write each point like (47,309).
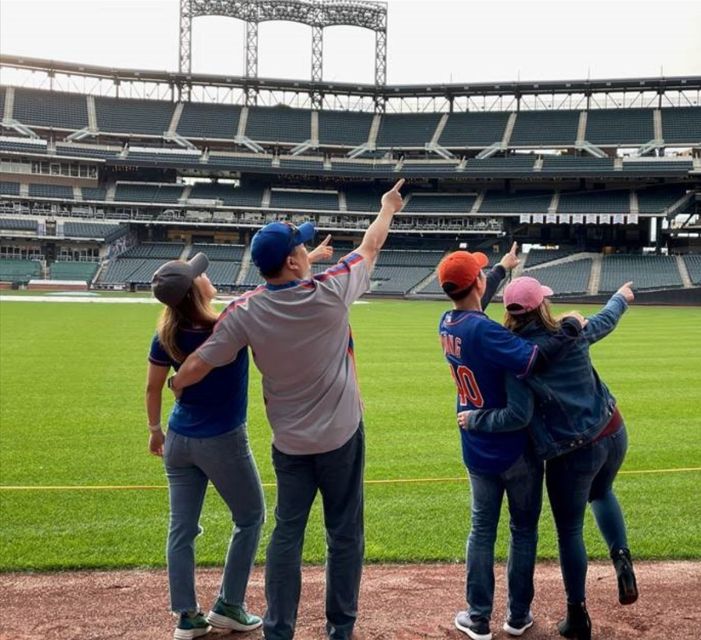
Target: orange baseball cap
(459,270)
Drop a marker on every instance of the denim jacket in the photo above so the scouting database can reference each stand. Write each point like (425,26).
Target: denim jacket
(565,406)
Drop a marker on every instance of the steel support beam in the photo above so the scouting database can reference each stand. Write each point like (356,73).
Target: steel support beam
(251,60)
(317,63)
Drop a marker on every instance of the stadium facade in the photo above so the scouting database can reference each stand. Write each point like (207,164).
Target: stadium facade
(105,173)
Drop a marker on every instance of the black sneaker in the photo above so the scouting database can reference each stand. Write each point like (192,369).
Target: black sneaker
(627,586)
(518,627)
(475,629)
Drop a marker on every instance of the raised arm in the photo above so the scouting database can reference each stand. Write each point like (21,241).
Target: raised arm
(515,416)
(604,322)
(322,252)
(376,233)
(497,273)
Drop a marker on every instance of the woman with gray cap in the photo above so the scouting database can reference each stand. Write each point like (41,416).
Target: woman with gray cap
(206,441)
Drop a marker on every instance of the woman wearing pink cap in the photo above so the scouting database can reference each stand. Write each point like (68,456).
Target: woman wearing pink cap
(577,428)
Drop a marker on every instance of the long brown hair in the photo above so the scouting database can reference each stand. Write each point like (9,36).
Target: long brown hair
(194,311)
(542,315)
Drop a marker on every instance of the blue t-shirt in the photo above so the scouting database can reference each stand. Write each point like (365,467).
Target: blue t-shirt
(480,353)
(217,403)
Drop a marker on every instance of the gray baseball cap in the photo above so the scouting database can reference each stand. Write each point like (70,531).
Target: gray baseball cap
(173,280)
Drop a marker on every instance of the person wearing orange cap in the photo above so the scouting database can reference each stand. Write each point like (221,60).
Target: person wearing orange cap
(576,427)
(481,353)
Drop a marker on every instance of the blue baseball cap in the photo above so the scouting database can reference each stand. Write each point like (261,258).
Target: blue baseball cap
(277,240)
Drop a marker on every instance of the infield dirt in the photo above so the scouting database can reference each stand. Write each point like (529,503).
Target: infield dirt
(398,602)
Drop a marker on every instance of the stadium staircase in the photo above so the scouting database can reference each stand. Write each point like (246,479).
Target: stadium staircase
(581,127)
(92,114)
(423,284)
(245,266)
(9,105)
(595,275)
(684,272)
(185,252)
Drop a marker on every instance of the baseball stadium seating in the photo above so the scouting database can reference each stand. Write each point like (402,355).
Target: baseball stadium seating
(289,199)
(657,199)
(124,115)
(620,127)
(565,278)
(522,202)
(341,128)
(693,266)
(51,109)
(157,250)
(440,202)
(21,271)
(18,224)
(69,270)
(51,191)
(278,125)
(542,128)
(135,192)
(228,194)
(615,201)
(209,121)
(541,256)
(105,232)
(648,272)
(464,130)
(407,130)
(576,165)
(681,125)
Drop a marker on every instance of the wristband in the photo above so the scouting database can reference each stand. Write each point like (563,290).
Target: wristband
(169,382)
(155,428)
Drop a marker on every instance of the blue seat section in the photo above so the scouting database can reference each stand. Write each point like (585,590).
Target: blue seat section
(51,191)
(303,200)
(657,199)
(693,266)
(134,192)
(576,165)
(106,232)
(155,250)
(473,129)
(565,278)
(362,200)
(510,165)
(373,168)
(426,168)
(595,202)
(252,277)
(397,279)
(436,203)
(2,102)
(37,108)
(18,224)
(21,271)
(70,270)
(520,202)
(279,124)
(199,120)
(228,252)
(541,256)
(620,126)
(9,188)
(409,258)
(238,163)
(541,128)
(86,151)
(293,164)
(35,146)
(122,115)
(407,129)
(681,125)
(164,157)
(647,272)
(344,128)
(223,274)
(229,194)
(654,167)
(93,193)
(130,270)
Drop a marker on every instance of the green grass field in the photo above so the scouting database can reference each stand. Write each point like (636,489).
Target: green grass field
(71,398)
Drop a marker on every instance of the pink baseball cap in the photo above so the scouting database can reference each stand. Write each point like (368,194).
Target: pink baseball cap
(524,294)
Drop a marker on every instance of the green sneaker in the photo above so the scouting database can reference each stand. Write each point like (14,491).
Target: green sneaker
(232,616)
(191,625)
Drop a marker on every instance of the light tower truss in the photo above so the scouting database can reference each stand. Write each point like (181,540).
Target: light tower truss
(317,14)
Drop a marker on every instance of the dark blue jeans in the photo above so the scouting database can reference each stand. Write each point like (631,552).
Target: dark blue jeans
(586,475)
(523,485)
(338,476)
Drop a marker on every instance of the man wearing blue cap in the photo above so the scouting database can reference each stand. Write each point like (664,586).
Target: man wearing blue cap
(297,327)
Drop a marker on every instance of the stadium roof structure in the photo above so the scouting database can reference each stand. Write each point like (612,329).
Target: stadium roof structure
(649,91)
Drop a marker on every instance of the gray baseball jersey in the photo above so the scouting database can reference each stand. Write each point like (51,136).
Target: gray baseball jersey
(302,344)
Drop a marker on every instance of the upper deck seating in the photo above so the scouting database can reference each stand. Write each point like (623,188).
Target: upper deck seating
(399,130)
(543,128)
(681,125)
(124,115)
(344,128)
(279,124)
(473,129)
(51,109)
(620,127)
(209,121)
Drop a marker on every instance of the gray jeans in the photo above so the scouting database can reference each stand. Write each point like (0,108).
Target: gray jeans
(338,476)
(227,462)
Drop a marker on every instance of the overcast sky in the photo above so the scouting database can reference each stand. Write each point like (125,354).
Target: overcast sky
(428,40)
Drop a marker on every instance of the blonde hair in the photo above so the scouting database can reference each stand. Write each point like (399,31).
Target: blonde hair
(542,315)
(194,310)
